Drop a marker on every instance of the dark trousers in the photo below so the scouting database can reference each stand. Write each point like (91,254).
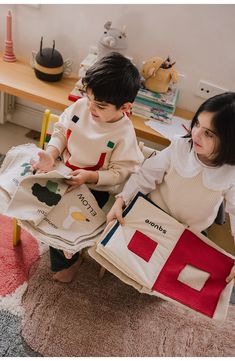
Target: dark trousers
(58,260)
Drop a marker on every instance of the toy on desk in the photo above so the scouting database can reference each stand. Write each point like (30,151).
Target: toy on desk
(48,64)
(159,74)
(86,63)
(77,93)
(9,53)
(113,39)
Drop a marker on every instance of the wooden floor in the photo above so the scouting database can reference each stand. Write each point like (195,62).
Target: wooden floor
(222,236)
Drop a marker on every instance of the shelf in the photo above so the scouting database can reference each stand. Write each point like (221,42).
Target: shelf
(18,79)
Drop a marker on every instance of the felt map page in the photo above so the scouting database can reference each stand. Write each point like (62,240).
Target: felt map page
(158,255)
(40,202)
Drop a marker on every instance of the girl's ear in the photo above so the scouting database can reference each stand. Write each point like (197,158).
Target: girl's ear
(126,107)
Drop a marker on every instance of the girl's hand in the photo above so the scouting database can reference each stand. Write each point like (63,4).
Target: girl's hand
(116,211)
(81,176)
(231,274)
(45,163)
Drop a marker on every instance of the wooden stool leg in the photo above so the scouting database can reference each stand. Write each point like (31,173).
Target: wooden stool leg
(16,232)
(102,272)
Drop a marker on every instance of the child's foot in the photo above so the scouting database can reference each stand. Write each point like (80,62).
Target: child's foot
(68,255)
(66,275)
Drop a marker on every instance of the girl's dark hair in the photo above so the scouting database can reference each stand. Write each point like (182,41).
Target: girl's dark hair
(223,121)
(113,79)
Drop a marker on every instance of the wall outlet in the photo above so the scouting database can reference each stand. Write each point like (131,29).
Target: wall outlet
(207,90)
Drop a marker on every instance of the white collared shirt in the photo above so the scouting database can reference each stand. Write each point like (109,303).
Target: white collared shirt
(183,186)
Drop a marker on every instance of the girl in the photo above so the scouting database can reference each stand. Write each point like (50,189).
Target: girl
(190,178)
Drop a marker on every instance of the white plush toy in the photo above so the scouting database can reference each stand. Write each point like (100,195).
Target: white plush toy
(112,40)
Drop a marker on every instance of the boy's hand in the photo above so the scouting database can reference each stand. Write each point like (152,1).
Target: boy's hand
(80,177)
(45,163)
(231,274)
(116,211)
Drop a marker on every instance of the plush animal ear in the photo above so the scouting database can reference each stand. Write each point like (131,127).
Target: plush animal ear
(107,25)
(151,71)
(123,32)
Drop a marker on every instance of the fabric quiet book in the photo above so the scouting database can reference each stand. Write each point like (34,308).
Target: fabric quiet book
(160,256)
(64,220)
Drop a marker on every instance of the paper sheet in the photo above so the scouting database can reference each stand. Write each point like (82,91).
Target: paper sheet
(170,130)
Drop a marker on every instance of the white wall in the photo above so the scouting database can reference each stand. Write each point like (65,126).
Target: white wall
(199,37)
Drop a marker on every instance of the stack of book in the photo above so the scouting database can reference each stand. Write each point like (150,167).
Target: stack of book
(156,106)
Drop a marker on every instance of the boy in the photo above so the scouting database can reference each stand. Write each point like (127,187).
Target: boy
(96,139)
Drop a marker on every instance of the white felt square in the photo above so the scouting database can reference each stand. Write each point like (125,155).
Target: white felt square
(193,277)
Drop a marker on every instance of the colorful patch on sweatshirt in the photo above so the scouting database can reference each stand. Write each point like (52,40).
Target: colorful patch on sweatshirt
(100,162)
(110,144)
(75,119)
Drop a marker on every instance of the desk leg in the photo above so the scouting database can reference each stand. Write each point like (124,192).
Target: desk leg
(1,108)
(7,105)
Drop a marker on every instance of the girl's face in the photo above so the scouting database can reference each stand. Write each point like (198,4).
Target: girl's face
(204,138)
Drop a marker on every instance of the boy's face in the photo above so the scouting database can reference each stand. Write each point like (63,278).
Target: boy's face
(105,112)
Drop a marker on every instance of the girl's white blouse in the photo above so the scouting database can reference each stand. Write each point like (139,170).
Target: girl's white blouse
(184,160)
(188,165)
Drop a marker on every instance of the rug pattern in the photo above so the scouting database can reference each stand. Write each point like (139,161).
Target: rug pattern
(15,261)
(17,264)
(11,342)
(92,317)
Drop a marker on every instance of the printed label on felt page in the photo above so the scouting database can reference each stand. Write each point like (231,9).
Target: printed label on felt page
(141,246)
(17,165)
(75,217)
(35,198)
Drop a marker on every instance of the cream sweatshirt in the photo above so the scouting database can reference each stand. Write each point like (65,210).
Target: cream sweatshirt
(109,148)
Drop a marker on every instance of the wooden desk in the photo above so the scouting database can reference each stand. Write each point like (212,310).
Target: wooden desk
(18,79)
(145,132)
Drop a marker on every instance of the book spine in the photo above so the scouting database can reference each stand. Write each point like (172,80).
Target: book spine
(168,99)
(165,118)
(146,110)
(154,105)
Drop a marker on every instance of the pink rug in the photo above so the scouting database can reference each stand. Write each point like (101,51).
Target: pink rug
(92,317)
(15,262)
(16,266)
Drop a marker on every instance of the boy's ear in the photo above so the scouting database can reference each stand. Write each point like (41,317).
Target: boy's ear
(126,107)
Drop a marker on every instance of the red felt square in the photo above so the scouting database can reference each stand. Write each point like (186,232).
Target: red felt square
(142,245)
(192,250)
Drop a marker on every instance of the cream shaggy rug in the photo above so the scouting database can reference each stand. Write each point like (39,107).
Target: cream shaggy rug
(92,317)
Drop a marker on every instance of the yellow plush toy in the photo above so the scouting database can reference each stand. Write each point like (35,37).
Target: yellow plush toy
(158,74)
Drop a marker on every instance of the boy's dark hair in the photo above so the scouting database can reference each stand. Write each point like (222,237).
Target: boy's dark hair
(223,120)
(113,79)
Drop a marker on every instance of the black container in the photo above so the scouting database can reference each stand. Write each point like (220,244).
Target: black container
(48,64)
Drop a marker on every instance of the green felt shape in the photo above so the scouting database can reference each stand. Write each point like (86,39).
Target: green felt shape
(52,186)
